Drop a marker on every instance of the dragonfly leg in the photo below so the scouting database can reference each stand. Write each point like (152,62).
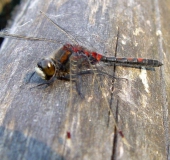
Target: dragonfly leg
(29,78)
(47,83)
(66,78)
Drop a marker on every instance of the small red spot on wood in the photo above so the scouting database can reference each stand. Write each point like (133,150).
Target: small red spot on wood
(68,135)
(121,134)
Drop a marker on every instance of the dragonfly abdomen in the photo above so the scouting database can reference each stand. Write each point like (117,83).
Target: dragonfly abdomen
(133,61)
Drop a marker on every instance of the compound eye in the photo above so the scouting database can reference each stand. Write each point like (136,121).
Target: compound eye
(46,68)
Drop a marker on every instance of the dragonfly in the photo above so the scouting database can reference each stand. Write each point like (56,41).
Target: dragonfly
(57,65)
(62,64)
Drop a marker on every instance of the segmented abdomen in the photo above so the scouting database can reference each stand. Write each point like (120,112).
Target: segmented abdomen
(133,61)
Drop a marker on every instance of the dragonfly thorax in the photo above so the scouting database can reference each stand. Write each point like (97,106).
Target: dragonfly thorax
(46,68)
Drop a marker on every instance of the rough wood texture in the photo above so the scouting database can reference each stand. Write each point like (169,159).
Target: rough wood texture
(34,122)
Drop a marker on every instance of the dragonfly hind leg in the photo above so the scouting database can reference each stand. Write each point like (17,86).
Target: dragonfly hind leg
(47,83)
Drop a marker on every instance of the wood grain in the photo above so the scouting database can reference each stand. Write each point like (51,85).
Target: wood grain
(34,123)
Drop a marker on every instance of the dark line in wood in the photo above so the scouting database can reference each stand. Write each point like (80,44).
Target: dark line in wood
(117,40)
(113,80)
(115,138)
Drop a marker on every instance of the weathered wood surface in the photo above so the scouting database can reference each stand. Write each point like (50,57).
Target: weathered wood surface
(34,122)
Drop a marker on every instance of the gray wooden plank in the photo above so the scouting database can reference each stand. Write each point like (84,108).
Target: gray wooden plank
(34,122)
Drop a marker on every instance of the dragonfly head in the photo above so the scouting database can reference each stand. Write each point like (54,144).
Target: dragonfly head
(46,68)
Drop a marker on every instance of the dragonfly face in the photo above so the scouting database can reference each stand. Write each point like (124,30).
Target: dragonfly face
(46,68)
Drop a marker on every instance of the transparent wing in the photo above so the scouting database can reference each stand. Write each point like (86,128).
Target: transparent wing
(22,37)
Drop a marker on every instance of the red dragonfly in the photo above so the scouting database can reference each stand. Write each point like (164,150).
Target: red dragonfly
(58,64)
